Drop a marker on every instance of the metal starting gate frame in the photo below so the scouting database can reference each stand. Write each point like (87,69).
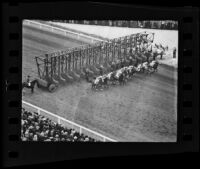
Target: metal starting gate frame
(64,65)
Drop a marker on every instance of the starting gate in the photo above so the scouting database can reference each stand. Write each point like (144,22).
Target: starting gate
(69,64)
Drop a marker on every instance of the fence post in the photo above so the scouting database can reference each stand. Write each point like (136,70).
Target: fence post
(58,120)
(80,130)
(38,110)
(104,139)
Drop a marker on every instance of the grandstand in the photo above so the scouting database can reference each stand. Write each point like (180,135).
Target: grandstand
(167,24)
(36,127)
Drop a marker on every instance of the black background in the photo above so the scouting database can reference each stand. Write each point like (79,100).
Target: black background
(81,153)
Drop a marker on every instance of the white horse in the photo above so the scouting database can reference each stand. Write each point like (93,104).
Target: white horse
(131,70)
(118,73)
(154,65)
(144,67)
(109,75)
(96,82)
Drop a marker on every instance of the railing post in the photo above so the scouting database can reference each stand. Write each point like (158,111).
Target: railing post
(38,110)
(80,130)
(104,139)
(58,120)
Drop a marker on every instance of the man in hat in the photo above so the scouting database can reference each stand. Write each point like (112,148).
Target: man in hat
(174,52)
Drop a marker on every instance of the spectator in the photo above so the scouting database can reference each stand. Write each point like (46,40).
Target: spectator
(38,128)
(174,52)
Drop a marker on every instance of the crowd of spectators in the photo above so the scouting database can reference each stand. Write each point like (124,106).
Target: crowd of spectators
(168,24)
(35,127)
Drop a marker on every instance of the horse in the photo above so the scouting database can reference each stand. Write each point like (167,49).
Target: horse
(144,67)
(120,77)
(125,73)
(105,81)
(97,82)
(111,77)
(131,71)
(159,50)
(31,86)
(154,65)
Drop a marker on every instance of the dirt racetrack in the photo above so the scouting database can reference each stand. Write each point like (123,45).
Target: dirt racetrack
(142,110)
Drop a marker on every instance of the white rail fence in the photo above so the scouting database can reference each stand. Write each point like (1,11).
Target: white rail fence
(67,123)
(60,30)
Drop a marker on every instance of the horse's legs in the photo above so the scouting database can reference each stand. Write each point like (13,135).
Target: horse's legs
(93,86)
(32,90)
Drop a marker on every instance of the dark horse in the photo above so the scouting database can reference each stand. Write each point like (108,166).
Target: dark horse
(25,84)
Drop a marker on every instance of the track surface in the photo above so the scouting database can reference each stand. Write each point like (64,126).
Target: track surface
(142,110)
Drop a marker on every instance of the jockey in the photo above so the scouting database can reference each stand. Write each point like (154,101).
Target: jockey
(104,77)
(28,80)
(145,64)
(109,75)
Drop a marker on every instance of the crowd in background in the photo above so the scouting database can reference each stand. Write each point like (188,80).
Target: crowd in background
(150,24)
(35,127)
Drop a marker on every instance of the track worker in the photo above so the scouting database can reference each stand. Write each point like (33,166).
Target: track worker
(174,52)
